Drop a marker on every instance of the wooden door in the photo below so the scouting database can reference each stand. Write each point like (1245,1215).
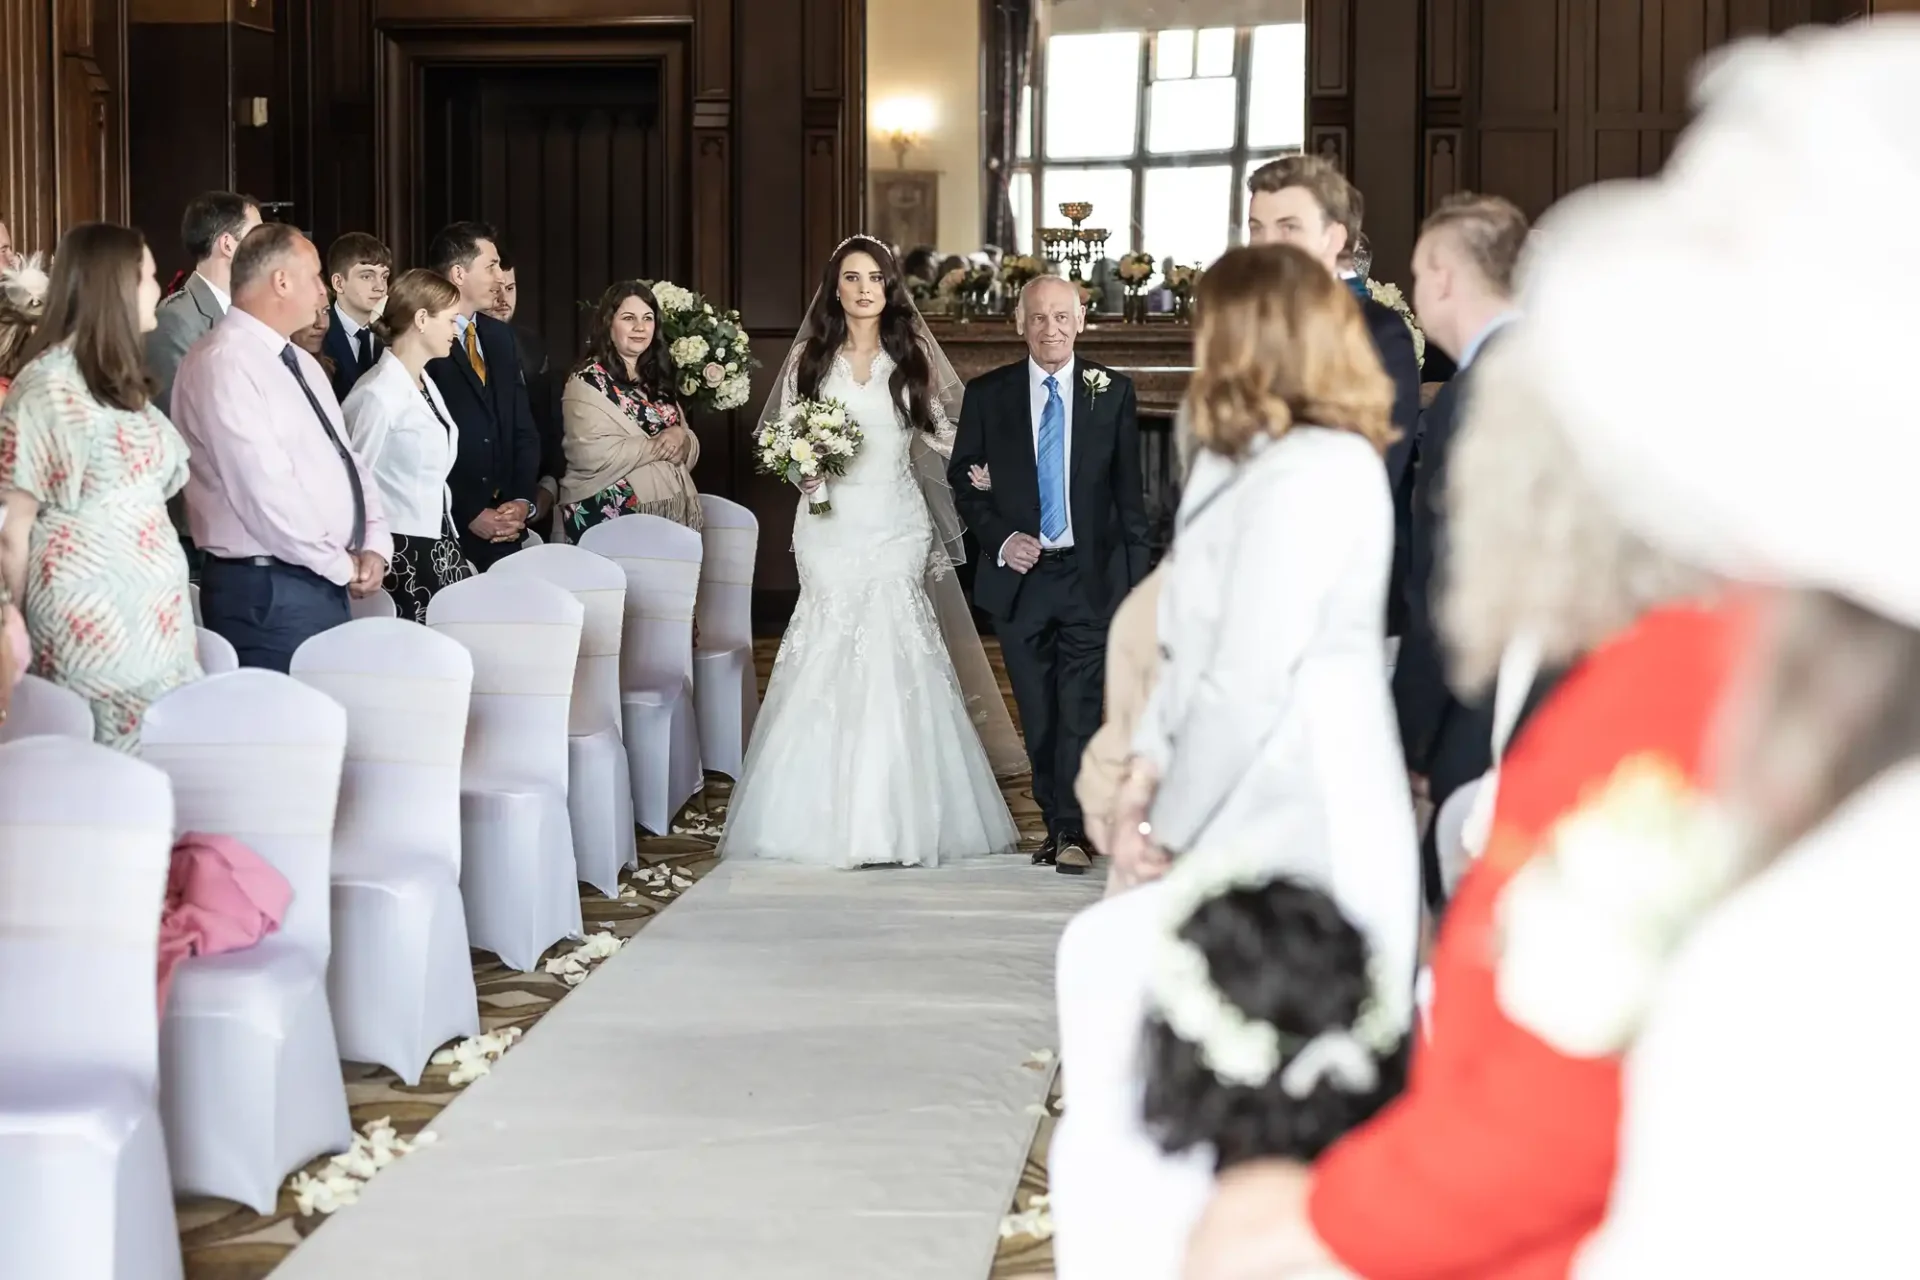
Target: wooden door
(569,162)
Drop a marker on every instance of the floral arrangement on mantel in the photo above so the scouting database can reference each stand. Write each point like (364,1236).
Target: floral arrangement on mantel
(1181,281)
(1389,295)
(1017,269)
(1134,270)
(709,349)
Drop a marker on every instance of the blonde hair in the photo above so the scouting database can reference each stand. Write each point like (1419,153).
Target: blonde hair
(1280,342)
(1532,549)
(415,291)
(1490,230)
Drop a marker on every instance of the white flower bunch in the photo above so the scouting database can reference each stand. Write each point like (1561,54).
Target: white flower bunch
(810,438)
(1588,926)
(1389,295)
(712,358)
(672,298)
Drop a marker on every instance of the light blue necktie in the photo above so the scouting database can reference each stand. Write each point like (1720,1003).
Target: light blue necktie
(1053,465)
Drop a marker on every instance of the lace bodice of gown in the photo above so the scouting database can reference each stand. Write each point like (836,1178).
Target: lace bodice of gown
(879,521)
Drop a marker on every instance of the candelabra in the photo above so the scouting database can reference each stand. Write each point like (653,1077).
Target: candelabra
(1074,247)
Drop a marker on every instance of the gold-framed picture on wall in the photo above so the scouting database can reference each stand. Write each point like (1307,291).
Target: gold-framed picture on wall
(905,206)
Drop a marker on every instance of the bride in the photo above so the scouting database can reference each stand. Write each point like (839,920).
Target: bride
(883,728)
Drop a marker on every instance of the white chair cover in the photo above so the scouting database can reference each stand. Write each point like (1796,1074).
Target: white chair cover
(42,707)
(379,604)
(217,655)
(599,795)
(193,599)
(400,982)
(726,693)
(84,1191)
(516,866)
(533,540)
(662,562)
(250,1083)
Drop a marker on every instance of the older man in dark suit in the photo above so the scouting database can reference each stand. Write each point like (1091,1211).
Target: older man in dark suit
(1062,530)
(1463,290)
(496,476)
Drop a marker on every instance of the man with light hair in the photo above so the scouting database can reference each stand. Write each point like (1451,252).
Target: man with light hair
(1463,268)
(1062,527)
(288,517)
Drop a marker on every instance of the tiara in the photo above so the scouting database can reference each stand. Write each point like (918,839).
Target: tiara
(858,235)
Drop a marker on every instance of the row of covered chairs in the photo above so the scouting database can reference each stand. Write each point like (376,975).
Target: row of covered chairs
(421,789)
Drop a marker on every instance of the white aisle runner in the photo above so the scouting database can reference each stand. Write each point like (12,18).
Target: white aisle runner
(791,1074)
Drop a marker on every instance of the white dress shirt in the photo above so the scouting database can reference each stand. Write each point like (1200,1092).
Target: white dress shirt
(1037,396)
(1037,384)
(352,328)
(408,450)
(220,295)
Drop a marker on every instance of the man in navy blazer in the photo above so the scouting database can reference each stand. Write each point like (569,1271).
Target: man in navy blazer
(358,267)
(1306,202)
(496,476)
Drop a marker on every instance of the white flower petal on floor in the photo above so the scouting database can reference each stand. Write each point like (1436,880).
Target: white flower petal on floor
(1039,1058)
(338,1184)
(1034,1222)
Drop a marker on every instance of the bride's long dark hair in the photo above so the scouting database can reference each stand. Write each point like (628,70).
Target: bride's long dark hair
(912,380)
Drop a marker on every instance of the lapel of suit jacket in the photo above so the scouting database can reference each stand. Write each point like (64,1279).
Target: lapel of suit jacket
(482,391)
(339,348)
(1089,433)
(1025,488)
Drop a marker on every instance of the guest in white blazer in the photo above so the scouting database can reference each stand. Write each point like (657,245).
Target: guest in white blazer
(1271,725)
(404,431)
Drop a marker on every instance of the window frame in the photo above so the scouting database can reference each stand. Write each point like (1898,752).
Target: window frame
(1125,235)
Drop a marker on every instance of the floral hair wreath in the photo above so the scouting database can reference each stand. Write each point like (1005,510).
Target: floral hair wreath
(23,288)
(1245,1051)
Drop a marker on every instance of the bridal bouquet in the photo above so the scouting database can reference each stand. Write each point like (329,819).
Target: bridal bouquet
(810,438)
(709,348)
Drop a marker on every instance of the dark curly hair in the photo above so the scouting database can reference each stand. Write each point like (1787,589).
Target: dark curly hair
(1282,954)
(655,366)
(912,380)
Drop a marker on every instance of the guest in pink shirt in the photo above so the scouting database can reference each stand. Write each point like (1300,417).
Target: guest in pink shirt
(289,519)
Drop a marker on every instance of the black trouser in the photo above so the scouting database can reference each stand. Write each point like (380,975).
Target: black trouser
(266,608)
(1055,646)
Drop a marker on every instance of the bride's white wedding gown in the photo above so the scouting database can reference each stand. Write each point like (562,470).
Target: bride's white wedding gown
(864,752)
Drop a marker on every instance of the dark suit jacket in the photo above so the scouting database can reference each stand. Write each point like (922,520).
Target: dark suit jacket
(1445,738)
(1394,343)
(544,385)
(1104,488)
(499,456)
(346,361)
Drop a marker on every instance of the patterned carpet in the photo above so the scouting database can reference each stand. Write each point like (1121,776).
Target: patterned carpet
(225,1241)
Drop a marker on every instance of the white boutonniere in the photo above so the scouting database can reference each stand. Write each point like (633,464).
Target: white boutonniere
(1096,381)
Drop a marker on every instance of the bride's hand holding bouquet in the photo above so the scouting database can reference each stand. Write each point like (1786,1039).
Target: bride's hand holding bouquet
(809,441)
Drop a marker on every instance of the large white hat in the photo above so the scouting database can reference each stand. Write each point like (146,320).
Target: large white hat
(1735,345)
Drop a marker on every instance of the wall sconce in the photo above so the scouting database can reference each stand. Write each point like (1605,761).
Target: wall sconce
(904,123)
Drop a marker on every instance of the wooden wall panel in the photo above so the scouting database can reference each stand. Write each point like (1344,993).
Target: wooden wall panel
(63,136)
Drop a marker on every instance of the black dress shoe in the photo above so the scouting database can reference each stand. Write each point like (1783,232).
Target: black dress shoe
(1045,854)
(1072,856)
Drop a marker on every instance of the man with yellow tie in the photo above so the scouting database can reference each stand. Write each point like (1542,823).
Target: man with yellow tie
(496,473)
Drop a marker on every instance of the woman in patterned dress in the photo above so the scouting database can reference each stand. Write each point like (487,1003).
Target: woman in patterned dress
(87,464)
(629,449)
(405,433)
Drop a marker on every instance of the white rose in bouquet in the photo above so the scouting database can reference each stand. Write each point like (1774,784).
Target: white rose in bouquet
(810,438)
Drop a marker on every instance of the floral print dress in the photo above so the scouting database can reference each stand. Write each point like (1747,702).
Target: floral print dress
(105,592)
(618,463)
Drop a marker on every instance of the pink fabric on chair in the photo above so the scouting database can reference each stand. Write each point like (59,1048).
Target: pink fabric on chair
(221,896)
